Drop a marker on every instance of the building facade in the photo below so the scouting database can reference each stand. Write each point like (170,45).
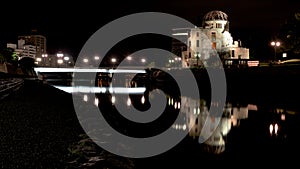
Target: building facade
(39,41)
(211,40)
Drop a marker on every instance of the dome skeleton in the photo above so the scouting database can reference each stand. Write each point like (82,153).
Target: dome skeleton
(215,15)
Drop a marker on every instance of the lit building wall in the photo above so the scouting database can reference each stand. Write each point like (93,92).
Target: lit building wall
(214,36)
(29,51)
(38,40)
(11,45)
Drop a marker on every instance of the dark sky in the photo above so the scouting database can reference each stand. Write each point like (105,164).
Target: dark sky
(68,26)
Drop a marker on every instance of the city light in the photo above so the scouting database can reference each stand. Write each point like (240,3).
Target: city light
(60,55)
(114,60)
(66,58)
(129,58)
(85,60)
(96,57)
(275,44)
(60,61)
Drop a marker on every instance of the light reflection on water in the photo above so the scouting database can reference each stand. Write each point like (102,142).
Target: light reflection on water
(245,128)
(194,113)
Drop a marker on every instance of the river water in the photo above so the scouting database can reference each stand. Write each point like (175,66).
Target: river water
(247,131)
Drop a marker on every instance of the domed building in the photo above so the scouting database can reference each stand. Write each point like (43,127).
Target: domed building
(211,40)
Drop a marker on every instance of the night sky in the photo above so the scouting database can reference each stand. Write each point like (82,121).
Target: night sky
(68,26)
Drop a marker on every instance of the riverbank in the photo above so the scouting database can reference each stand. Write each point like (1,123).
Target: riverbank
(38,124)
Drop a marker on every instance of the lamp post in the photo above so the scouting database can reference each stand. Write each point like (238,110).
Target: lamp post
(275,44)
(66,58)
(44,56)
(59,59)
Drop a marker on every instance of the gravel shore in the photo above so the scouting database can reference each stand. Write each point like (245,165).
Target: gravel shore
(37,125)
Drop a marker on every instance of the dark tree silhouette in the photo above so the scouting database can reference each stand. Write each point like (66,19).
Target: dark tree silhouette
(290,36)
(27,65)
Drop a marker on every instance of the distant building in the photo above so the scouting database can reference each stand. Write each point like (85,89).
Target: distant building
(39,41)
(22,49)
(200,42)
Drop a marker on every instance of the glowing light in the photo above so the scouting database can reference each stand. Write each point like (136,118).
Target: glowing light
(143,100)
(128,102)
(96,57)
(276,128)
(59,55)
(184,127)
(113,60)
(38,59)
(129,58)
(60,61)
(96,102)
(277,43)
(48,69)
(282,117)
(273,43)
(143,60)
(87,89)
(180,34)
(113,99)
(85,60)
(66,58)
(85,98)
(178,105)
(271,129)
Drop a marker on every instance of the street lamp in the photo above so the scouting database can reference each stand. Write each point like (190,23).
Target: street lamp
(44,56)
(113,61)
(66,58)
(275,44)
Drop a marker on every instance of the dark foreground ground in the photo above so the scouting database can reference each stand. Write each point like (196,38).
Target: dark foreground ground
(39,129)
(37,126)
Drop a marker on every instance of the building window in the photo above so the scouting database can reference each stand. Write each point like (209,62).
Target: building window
(214,45)
(219,25)
(197,43)
(232,53)
(213,36)
(190,44)
(197,34)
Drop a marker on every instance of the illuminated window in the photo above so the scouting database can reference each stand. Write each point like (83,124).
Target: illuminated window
(214,45)
(213,36)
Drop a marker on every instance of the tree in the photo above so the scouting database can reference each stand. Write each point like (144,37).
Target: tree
(290,36)
(27,65)
(8,55)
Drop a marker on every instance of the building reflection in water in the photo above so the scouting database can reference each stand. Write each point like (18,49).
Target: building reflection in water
(197,114)
(193,113)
